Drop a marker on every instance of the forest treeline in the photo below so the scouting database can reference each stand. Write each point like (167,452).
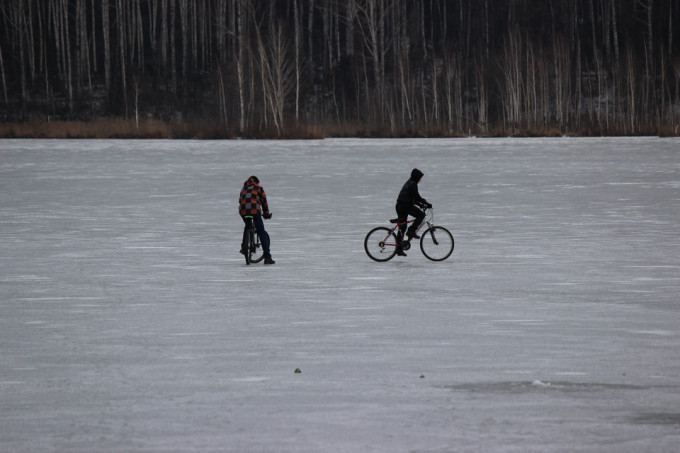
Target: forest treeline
(345,67)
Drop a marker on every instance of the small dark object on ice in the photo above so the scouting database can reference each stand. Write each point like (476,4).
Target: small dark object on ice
(298,371)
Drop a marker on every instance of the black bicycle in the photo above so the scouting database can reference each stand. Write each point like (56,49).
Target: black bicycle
(254,251)
(436,242)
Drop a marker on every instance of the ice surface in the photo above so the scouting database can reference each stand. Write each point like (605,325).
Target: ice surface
(129,322)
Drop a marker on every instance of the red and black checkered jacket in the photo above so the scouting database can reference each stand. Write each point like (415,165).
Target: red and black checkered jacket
(252,200)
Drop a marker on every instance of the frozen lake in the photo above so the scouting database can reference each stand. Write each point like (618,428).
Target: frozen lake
(129,322)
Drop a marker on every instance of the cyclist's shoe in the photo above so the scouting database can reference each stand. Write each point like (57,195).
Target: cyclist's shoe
(413,236)
(400,251)
(268,260)
(243,250)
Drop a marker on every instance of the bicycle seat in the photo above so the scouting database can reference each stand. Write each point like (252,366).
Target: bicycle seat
(395,220)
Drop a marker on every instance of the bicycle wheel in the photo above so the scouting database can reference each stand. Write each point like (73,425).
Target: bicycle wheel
(437,243)
(249,247)
(256,250)
(380,244)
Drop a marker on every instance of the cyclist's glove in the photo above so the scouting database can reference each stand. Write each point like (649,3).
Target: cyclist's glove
(267,216)
(428,205)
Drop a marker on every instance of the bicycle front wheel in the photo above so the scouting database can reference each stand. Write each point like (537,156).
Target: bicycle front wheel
(256,250)
(380,244)
(437,243)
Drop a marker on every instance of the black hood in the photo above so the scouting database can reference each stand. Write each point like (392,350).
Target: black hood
(252,179)
(416,174)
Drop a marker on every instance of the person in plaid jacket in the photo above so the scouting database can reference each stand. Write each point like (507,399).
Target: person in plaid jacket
(253,207)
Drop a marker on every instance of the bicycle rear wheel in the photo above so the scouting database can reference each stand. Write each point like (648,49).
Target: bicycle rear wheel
(380,244)
(256,250)
(437,243)
(249,247)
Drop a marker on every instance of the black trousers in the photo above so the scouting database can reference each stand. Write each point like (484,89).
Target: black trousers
(403,211)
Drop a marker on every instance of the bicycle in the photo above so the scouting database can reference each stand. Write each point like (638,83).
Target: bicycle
(436,242)
(254,251)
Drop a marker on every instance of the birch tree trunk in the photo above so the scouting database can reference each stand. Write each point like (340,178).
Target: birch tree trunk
(372,21)
(4,80)
(165,35)
(184,30)
(65,42)
(173,54)
(670,29)
(16,18)
(240,40)
(512,83)
(107,44)
(120,16)
(310,40)
(615,32)
(298,64)
(650,28)
(482,103)
(350,16)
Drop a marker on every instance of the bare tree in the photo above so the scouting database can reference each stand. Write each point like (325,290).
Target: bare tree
(107,45)
(297,34)
(562,82)
(512,83)
(120,15)
(184,34)
(310,38)
(482,101)
(171,46)
(14,20)
(165,35)
(615,31)
(351,12)
(278,73)
(241,6)
(452,86)
(647,6)
(2,76)
(631,100)
(435,91)
(372,17)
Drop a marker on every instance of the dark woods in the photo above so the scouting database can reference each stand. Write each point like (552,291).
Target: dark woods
(288,68)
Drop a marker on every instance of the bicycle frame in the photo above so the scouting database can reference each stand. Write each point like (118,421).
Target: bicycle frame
(428,220)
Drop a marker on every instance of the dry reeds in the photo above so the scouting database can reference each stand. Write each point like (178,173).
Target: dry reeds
(98,128)
(106,128)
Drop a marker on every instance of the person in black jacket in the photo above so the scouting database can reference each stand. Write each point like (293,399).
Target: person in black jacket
(408,202)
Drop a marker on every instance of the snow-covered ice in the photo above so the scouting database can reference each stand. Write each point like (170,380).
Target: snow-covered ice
(129,322)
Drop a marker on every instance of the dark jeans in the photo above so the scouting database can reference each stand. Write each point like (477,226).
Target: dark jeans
(403,211)
(259,226)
